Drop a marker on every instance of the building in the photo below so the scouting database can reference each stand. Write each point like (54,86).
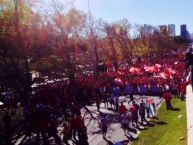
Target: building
(171,30)
(148,29)
(163,29)
(184,32)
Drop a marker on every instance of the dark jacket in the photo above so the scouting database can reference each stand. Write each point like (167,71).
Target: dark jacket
(189,58)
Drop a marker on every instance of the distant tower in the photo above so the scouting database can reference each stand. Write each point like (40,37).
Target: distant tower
(184,32)
(171,30)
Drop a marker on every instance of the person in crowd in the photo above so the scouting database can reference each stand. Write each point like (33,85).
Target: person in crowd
(142,102)
(116,100)
(167,98)
(104,125)
(154,106)
(76,108)
(178,89)
(174,89)
(125,120)
(150,107)
(183,90)
(134,113)
(44,128)
(150,101)
(106,99)
(131,97)
(73,126)
(126,88)
(147,108)
(53,131)
(80,125)
(29,121)
(142,112)
(112,102)
(83,137)
(13,105)
(7,122)
(122,109)
(98,101)
(66,132)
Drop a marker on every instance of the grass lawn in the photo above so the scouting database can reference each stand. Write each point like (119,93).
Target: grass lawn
(168,129)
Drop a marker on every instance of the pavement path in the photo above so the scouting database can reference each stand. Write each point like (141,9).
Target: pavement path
(189,110)
(115,133)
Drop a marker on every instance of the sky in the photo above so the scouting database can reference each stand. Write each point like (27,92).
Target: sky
(153,12)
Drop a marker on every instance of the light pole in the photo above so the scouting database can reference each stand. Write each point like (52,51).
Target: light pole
(91,42)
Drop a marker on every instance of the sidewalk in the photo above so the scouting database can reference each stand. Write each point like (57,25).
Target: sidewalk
(189,110)
(115,133)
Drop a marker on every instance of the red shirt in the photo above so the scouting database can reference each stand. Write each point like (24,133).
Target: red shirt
(98,100)
(122,109)
(73,123)
(80,122)
(132,108)
(150,101)
(167,96)
(183,87)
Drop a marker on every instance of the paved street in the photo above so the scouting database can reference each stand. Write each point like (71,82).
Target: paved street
(115,132)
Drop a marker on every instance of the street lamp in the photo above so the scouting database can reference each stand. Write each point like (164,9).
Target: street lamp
(91,42)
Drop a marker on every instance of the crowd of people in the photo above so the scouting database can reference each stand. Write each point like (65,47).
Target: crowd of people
(59,103)
(131,116)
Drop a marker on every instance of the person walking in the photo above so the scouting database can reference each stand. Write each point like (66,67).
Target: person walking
(151,109)
(80,125)
(82,131)
(131,97)
(104,125)
(98,101)
(147,108)
(106,99)
(134,113)
(167,98)
(53,132)
(83,137)
(116,102)
(122,109)
(125,122)
(73,126)
(7,122)
(112,102)
(154,107)
(142,112)
(66,132)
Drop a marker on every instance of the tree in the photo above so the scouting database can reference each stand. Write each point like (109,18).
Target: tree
(109,31)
